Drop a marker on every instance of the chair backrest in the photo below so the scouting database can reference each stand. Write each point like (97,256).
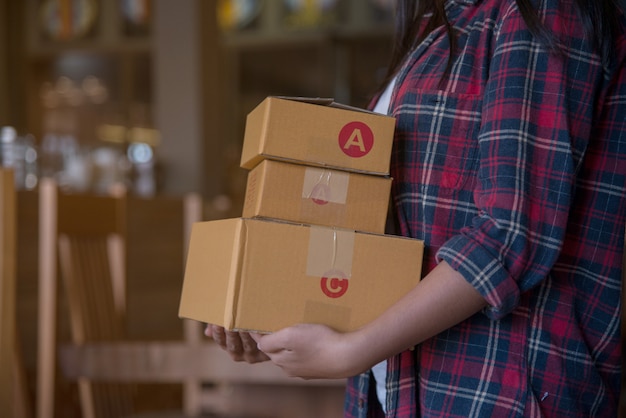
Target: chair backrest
(192,387)
(82,237)
(14,399)
(7,292)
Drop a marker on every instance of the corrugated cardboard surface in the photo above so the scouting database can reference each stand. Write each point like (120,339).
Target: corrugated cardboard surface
(316,195)
(264,275)
(318,134)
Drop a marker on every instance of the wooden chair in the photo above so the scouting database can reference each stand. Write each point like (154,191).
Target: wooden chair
(7,289)
(105,364)
(82,237)
(13,398)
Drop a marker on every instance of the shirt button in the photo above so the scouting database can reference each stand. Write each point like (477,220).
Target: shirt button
(361,403)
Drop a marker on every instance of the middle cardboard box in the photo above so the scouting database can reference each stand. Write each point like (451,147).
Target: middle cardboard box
(264,275)
(316,195)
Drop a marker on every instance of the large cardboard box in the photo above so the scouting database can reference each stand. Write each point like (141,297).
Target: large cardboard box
(262,275)
(318,132)
(317,195)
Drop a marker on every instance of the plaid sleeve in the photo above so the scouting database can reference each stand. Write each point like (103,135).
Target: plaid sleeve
(536,118)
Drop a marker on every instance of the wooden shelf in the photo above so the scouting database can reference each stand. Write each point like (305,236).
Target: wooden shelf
(260,39)
(45,49)
(108,33)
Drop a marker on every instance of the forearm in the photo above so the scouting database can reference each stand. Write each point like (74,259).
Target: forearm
(441,300)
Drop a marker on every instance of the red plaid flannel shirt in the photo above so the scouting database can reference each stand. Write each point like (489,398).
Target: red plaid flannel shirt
(514,173)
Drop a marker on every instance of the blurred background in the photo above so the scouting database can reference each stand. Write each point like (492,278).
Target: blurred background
(160,89)
(153,95)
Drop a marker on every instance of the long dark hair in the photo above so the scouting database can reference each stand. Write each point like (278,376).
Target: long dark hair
(599,18)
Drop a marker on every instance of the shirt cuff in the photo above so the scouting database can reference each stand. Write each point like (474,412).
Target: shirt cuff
(483,271)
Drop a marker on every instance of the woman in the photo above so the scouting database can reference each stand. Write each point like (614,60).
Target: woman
(510,163)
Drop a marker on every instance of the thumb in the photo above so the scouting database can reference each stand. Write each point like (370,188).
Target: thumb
(270,343)
(262,343)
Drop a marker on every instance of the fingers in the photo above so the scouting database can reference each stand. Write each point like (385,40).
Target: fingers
(233,342)
(239,345)
(228,340)
(249,344)
(242,347)
(217,333)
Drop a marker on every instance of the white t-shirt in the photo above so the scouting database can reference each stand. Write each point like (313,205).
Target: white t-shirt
(380,370)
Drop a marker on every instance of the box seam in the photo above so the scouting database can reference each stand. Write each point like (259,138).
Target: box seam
(232,295)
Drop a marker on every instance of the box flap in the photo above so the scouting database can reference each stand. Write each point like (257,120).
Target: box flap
(208,256)
(324,101)
(255,134)
(254,189)
(271,280)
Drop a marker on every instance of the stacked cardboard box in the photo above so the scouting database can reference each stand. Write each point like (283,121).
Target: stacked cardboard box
(310,245)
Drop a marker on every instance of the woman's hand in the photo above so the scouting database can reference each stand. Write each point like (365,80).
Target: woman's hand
(239,345)
(442,299)
(312,351)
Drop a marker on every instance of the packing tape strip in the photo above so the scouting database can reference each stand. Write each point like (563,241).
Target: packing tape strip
(325,185)
(330,252)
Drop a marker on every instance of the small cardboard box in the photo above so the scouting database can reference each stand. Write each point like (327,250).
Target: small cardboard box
(263,275)
(317,195)
(318,132)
